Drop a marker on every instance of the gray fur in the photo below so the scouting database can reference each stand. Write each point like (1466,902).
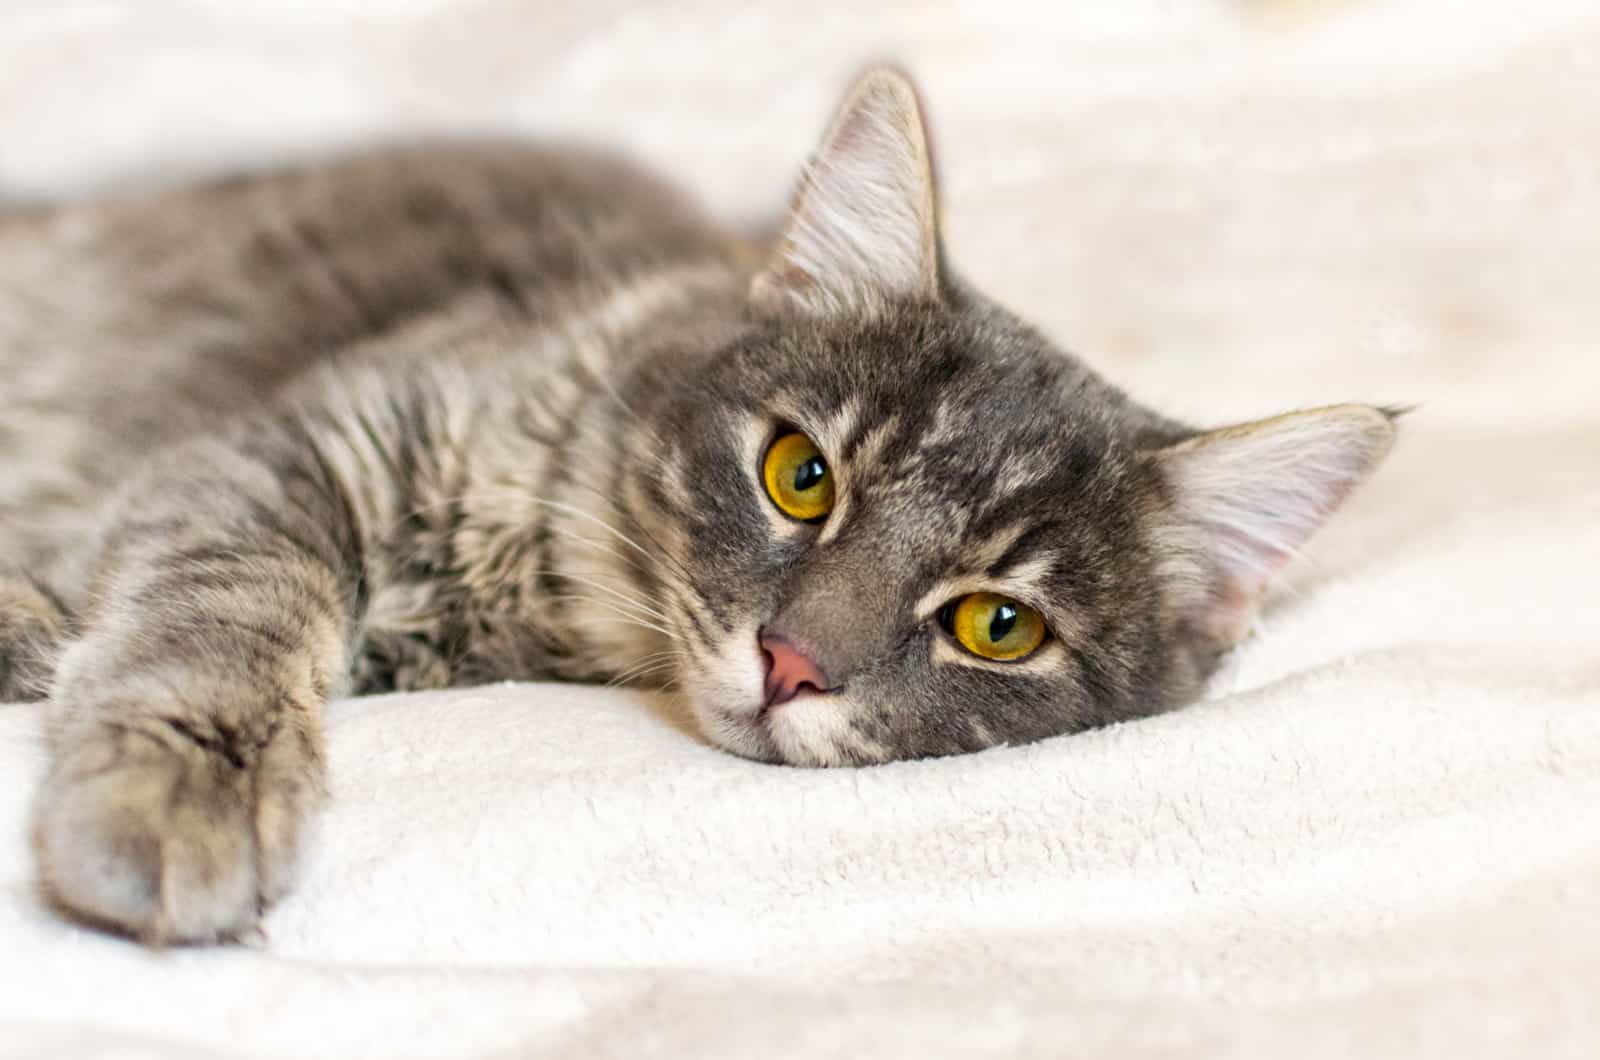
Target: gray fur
(448,416)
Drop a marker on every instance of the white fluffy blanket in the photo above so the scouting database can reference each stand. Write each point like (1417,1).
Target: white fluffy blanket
(1378,838)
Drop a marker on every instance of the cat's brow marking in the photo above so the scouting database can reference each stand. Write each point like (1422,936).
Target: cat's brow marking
(987,554)
(866,450)
(833,433)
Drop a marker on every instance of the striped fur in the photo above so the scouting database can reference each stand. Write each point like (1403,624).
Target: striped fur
(441,417)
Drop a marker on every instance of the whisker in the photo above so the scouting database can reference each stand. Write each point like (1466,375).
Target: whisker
(625,616)
(515,494)
(648,666)
(659,557)
(573,509)
(638,604)
(663,555)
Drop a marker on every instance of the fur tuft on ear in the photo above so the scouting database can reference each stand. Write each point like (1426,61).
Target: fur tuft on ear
(862,228)
(1248,497)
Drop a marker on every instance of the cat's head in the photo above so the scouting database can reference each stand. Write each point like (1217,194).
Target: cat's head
(899,523)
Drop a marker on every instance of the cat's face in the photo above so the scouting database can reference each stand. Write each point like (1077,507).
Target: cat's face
(897,523)
(946,458)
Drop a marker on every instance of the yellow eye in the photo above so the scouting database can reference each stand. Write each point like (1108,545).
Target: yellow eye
(994,627)
(797,478)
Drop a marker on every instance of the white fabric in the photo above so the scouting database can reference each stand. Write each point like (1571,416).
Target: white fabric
(1379,838)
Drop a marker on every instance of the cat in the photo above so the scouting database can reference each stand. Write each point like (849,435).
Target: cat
(433,417)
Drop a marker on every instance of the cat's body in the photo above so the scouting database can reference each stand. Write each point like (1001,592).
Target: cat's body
(130,325)
(441,417)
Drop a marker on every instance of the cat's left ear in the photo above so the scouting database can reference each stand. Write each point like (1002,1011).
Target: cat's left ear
(862,229)
(1246,498)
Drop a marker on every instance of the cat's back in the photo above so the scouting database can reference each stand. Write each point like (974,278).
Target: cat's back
(128,323)
(322,254)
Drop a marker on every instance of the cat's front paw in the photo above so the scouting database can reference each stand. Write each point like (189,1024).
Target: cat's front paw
(172,829)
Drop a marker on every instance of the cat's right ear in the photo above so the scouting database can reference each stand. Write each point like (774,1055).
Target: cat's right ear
(1247,498)
(862,230)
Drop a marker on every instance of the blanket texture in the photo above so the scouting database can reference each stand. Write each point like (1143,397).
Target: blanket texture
(1377,838)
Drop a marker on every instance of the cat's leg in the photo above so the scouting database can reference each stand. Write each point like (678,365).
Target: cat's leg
(33,623)
(185,724)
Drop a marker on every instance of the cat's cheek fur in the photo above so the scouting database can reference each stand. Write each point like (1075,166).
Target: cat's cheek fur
(722,686)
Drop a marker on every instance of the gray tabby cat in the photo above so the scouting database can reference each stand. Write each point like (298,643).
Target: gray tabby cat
(427,419)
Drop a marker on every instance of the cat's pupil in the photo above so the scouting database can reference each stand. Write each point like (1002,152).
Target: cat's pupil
(809,474)
(1005,617)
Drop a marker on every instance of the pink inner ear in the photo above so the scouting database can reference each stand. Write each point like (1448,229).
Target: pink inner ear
(1245,566)
(1274,526)
(1249,554)
(1232,601)
(1257,493)
(1226,618)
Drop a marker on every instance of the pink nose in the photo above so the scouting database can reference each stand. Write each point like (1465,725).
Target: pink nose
(789,671)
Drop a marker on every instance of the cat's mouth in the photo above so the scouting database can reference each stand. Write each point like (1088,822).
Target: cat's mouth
(800,731)
(759,697)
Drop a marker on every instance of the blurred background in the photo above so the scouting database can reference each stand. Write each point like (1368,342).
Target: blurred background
(1228,207)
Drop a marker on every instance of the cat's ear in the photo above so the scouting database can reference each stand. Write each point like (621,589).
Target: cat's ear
(1246,499)
(862,228)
